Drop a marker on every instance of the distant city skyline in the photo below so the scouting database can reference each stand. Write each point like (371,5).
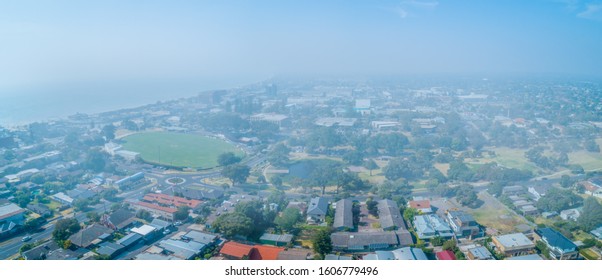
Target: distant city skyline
(52,44)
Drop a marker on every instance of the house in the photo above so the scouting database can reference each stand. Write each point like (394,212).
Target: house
(51,251)
(131,182)
(236,251)
(514,244)
(262,252)
(560,247)
(295,254)
(130,240)
(317,210)
(185,250)
(513,190)
(389,215)
(548,215)
(200,237)
(369,241)
(154,209)
(343,215)
(147,232)
(424,206)
(196,192)
(530,257)
(276,239)
(406,254)
(539,191)
(92,235)
(11,218)
(529,210)
(446,255)
(110,249)
(333,257)
(118,220)
(593,187)
(429,226)
(570,214)
(39,209)
(479,253)
(277,119)
(62,198)
(464,224)
(170,200)
(160,225)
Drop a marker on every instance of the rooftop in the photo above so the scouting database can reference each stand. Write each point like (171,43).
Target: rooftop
(262,252)
(235,249)
(555,239)
(9,210)
(514,240)
(144,230)
(446,255)
(343,216)
(171,200)
(285,238)
(87,236)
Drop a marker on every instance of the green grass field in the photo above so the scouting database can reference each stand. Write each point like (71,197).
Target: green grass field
(177,149)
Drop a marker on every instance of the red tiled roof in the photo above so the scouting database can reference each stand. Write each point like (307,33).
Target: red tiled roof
(235,249)
(171,200)
(156,207)
(420,204)
(446,256)
(261,252)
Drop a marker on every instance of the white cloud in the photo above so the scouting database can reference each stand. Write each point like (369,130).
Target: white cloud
(411,8)
(592,11)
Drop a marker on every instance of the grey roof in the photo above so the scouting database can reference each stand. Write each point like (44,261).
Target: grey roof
(109,248)
(360,240)
(39,208)
(514,240)
(286,238)
(129,239)
(155,257)
(481,253)
(201,237)
(122,218)
(10,209)
(85,237)
(160,224)
(51,251)
(404,237)
(462,216)
(181,249)
(428,226)
(343,216)
(198,192)
(294,254)
(406,253)
(79,194)
(532,257)
(389,215)
(513,189)
(318,206)
(333,257)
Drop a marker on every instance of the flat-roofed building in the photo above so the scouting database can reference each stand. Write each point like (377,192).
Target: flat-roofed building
(430,226)
(514,244)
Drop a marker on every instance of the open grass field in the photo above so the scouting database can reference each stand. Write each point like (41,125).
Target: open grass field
(178,149)
(512,158)
(589,161)
(494,215)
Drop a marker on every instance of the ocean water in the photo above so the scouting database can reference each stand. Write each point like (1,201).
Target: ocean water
(23,106)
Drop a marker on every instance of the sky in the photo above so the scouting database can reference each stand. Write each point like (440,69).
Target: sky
(66,43)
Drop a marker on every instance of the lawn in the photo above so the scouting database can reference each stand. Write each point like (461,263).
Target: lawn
(178,149)
(512,158)
(494,215)
(589,161)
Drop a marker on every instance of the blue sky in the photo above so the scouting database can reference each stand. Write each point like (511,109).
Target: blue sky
(78,42)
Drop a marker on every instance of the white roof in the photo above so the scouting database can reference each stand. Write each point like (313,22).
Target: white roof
(144,230)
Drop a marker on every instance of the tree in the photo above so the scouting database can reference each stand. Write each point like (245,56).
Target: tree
(566,181)
(372,204)
(288,219)
(591,216)
(145,215)
(95,161)
(65,228)
(409,214)
(108,131)
(228,159)
(558,200)
(37,179)
(370,165)
(237,173)
(401,168)
(278,156)
(321,242)
(182,213)
(276,181)
(93,216)
(466,195)
(232,224)
(437,241)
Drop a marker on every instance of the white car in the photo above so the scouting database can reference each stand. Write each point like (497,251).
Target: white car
(26,238)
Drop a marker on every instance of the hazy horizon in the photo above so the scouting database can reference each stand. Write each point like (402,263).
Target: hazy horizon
(178,49)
